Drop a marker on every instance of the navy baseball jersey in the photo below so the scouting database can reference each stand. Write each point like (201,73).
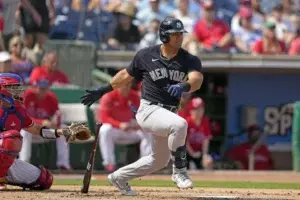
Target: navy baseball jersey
(157,73)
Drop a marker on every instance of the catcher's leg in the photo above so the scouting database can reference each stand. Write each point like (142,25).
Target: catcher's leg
(25,153)
(29,176)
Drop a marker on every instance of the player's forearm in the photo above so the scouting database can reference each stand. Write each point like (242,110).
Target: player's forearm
(195,80)
(205,146)
(120,79)
(27,5)
(39,130)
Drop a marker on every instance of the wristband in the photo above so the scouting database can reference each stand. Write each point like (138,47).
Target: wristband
(107,87)
(48,133)
(185,86)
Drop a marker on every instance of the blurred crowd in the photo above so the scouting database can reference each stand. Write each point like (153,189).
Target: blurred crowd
(133,24)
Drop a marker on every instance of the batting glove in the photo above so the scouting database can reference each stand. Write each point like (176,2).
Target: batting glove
(91,96)
(177,89)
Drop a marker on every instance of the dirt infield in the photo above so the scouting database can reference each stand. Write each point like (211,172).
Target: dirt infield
(152,193)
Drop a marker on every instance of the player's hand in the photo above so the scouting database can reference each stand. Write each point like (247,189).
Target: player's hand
(175,90)
(91,96)
(207,161)
(134,125)
(124,126)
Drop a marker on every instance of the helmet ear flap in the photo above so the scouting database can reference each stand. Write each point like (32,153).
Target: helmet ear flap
(164,37)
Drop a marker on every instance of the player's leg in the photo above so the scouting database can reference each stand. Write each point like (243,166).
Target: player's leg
(146,143)
(63,153)
(25,153)
(158,159)
(29,176)
(162,122)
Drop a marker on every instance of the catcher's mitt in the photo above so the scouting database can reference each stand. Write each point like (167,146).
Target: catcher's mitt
(78,131)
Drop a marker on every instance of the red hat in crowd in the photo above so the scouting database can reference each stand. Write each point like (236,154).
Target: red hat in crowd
(208,4)
(197,102)
(245,12)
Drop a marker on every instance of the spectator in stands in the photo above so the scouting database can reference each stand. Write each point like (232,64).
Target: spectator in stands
(284,27)
(20,65)
(212,34)
(11,27)
(42,107)
(257,15)
(126,34)
(246,35)
(167,6)
(182,13)
(151,37)
(198,136)
(119,125)
(295,45)
(287,9)
(240,153)
(269,44)
(5,62)
(146,15)
(185,105)
(85,5)
(49,71)
(36,18)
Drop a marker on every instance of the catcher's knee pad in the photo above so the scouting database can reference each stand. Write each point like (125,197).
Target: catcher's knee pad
(10,143)
(44,181)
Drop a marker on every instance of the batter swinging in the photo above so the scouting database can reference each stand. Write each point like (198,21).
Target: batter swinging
(166,71)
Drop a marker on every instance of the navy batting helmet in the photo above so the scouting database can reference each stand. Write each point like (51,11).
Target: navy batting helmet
(168,26)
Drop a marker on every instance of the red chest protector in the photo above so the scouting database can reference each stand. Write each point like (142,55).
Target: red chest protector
(10,140)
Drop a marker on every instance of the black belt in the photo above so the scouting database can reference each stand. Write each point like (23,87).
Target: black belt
(168,107)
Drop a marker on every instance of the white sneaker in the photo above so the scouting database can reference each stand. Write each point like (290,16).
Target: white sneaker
(182,180)
(123,187)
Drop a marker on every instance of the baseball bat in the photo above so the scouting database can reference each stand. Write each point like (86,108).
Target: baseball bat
(90,165)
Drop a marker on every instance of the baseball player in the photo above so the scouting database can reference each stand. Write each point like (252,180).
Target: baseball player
(42,106)
(166,72)
(13,118)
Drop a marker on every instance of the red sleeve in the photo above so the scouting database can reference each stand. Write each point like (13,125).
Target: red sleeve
(64,78)
(105,109)
(28,122)
(135,99)
(34,75)
(258,47)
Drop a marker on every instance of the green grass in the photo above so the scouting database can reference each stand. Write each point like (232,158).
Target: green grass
(210,184)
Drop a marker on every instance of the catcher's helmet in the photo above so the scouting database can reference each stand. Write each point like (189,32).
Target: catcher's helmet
(168,26)
(10,87)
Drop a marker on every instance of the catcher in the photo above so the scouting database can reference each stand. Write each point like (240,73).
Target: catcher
(13,118)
